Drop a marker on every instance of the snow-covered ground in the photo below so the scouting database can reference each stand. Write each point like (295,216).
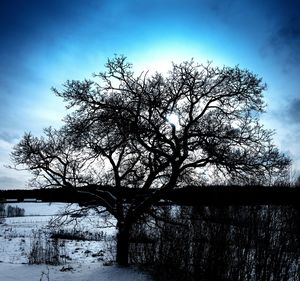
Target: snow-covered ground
(93,272)
(83,260)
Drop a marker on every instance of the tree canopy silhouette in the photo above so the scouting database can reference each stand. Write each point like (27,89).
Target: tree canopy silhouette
(195,124)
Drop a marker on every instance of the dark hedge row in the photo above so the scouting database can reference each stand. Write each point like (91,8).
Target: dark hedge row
(259,243)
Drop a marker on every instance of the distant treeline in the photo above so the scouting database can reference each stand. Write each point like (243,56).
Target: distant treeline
(10,211)
(222,195)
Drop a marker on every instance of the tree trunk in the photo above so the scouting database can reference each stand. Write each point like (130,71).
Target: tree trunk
(122,244)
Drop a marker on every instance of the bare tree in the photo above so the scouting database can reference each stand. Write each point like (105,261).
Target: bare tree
(154,132)
(297,181)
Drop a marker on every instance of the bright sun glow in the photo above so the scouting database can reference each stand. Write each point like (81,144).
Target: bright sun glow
(173,119)
(160,57)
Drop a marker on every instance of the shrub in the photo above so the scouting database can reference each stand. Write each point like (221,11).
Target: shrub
(45,250)
(77,234)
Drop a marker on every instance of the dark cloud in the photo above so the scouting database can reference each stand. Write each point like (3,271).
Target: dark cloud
(294,111)
(221,8)
(283,38)
(27,25)
(21,21)
(285,41)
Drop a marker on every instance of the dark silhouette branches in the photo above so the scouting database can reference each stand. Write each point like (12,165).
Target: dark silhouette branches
(156,132)
(53,161)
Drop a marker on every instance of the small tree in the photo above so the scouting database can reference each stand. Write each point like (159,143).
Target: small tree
(14,211)
(154,132)
(2,213)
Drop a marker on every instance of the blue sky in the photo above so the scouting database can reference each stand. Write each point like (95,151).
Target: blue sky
(46,42)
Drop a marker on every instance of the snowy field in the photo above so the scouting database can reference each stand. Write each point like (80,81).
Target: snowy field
(81,260)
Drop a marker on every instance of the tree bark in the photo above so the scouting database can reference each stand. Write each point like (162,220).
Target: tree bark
(122,244)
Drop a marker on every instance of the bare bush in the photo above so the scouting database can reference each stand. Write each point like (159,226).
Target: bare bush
(45,250)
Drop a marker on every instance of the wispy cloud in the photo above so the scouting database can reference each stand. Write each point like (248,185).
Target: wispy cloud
(10,182)
(8,137)
(294,111)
